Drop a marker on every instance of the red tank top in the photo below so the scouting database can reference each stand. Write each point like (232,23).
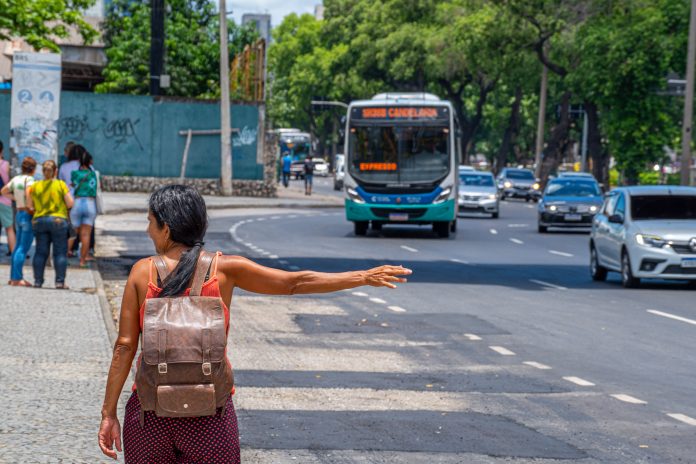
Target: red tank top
(211,287)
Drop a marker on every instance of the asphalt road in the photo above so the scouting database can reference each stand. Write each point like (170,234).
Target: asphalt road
(499,349)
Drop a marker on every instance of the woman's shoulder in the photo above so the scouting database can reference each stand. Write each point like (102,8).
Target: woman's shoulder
(140,272)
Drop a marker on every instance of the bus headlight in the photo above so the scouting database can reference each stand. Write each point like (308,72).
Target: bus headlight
(355,196)
(444,195)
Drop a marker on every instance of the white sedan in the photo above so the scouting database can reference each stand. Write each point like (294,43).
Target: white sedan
(645,232)
(321,168)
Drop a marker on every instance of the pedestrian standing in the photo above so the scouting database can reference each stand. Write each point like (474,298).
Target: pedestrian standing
(65,157)
(6,221)
(72,155)
(17,189)
(158,426)
(308,175)
(84,211)
(50,199)
(287,165)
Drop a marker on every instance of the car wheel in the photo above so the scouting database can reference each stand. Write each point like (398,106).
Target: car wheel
(597,271)
(527,199)
(360,227)
(442,229)
(542,229)
(627,279)
(453,226)
(495,215)
(336,187)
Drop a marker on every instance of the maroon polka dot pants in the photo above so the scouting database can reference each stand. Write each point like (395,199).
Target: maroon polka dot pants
(164,440)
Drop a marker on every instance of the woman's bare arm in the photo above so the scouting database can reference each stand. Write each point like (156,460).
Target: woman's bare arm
(253,277)
(5,192)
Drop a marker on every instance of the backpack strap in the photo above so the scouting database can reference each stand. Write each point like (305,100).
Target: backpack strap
(204,261)
(162,269)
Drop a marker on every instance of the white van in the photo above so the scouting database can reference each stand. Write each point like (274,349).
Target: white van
(340,171)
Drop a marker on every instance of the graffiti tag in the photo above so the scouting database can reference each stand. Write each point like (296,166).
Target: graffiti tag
(245,137)
(121,131)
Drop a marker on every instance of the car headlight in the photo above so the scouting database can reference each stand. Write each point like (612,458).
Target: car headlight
(444,195)
(492,196)
(594,209)
(552,207)
(507,184)
(536,186)
(654,241)
(354,195)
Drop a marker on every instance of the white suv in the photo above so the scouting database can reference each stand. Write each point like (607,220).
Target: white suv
(645,232)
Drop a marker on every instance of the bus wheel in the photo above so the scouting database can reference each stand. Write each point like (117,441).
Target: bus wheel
(453,226)
(360,227)
(376,225)
(442,228)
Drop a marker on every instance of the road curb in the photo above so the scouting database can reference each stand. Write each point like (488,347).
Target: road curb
(104,305)
(144,209)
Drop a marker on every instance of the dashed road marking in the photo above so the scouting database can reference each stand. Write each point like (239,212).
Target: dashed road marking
(408,248)
(494,232)
(396,309)
(529,206)
(579,381)
(672,316)
(517,241)
(292,216)
(460,261)
(683,418)
(294,268)
(518,226)
(472,337)
(282,261)
(378,300)
(561,253)
(275,217)
(359,294)
(548,284)
(261,219)
(537,365)
(273,256)
(502,350)
(628,399)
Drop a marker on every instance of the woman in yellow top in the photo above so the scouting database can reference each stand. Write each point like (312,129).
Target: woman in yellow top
(50,200)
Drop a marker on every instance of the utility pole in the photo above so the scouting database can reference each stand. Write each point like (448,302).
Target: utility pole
(541,121)
(156,45)
(688,101)
(225,118)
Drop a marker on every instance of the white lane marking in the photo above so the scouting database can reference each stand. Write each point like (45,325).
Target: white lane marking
(517,241)
(518,226)
(579,381)
(547,284)
(249,244)
(378,300)
(672,316)
(294,268)
(536,365)
(494,232)
(454,260)
(397,309)
(265,253)
(628,399)
(530,206)
(561,253)
(473,338)
(261,219)
(274,256)
(275,217)
(683,418)
(359,294)
(292,216)
(408,248)
(502,350)
(282,261)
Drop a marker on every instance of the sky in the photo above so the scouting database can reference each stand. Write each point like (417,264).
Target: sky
(278,9)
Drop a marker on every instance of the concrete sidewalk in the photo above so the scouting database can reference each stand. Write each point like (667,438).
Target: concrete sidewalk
(117,203)
(54,357)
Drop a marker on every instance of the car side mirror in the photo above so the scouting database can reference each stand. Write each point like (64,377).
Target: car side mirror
(616,219)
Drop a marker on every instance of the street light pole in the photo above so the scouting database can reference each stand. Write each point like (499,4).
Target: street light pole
(225,117)
(688,101)
(541,121)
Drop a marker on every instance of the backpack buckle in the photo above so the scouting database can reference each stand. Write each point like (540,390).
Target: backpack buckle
(207,368)
(162,368)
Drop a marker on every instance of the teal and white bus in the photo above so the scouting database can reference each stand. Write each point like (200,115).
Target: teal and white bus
(402,157)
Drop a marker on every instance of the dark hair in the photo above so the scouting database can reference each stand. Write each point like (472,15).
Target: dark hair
(85,158)
(75,152)
(28,165)
(2,147)
(183,209)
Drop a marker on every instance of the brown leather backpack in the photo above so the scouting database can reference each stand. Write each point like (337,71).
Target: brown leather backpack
(183,371)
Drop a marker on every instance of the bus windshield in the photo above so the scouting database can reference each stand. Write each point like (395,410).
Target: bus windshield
(399,153)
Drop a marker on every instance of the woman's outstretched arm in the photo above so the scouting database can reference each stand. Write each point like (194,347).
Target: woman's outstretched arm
(253,277)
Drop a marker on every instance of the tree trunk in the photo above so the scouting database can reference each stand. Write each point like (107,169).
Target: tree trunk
(595,150)
(558,141)
(470,126)
(511,132)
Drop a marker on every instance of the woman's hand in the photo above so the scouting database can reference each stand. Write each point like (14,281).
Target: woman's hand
(110,432)
(386,276)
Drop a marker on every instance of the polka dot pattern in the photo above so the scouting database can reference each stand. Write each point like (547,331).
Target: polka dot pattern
(189,440)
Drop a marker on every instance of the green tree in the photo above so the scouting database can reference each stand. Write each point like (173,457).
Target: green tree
(39,22)
(191,47)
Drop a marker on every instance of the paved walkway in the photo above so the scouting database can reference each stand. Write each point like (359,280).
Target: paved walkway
(54,357)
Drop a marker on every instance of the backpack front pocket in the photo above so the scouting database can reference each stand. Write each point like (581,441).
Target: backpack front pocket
(186,400)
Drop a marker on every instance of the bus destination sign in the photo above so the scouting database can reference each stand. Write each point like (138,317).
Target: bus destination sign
(400,113)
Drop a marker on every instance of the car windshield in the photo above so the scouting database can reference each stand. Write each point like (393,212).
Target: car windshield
(521,174)
(399,153)
(573,188)
(476,180)
(663,207)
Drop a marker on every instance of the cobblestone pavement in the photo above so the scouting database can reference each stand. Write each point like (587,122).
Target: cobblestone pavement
(54,356)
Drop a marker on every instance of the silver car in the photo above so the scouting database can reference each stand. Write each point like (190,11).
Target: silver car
(645,233)
(478,193)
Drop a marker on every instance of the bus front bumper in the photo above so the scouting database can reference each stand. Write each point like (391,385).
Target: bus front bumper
(400,214)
